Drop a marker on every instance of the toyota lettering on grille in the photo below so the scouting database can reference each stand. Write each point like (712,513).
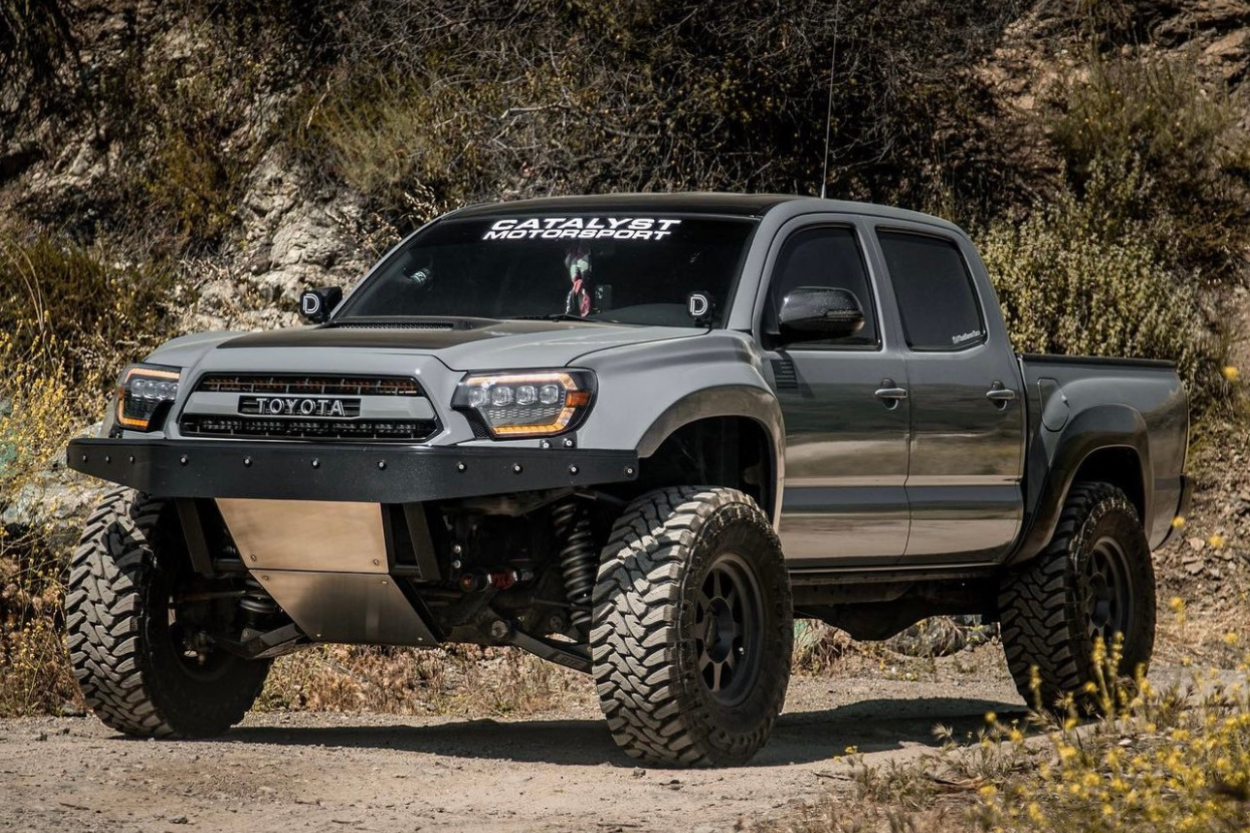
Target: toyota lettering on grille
(299,406)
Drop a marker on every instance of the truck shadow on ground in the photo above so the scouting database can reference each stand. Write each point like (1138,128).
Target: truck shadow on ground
(872,726)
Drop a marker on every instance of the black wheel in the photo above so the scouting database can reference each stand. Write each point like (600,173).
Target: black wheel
(134,646)
(1095,580)
(693,628)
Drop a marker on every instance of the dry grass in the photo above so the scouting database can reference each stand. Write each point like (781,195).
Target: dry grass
(1165,757)
(35,422)
(455,679)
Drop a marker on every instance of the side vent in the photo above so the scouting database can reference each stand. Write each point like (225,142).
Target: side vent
(785,373)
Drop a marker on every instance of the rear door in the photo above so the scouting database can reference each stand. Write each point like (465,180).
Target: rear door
(967,409)
(845,410)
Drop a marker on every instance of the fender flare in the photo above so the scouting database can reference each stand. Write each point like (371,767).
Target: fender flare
(1092,430)
(756,404)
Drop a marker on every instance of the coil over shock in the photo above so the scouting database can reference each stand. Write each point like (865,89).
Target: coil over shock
(257,603)
(579,562)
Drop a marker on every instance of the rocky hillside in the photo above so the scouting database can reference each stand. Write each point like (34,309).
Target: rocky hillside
(168,167)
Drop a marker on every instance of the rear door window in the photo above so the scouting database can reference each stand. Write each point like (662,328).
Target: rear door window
(937,300)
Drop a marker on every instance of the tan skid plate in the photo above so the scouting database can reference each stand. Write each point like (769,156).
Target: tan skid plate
(325,563)
(347,607)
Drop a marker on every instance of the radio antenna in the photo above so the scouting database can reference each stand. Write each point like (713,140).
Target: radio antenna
(833,62)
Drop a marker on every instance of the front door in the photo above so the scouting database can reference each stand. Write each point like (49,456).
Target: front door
(846,414)
(967,409)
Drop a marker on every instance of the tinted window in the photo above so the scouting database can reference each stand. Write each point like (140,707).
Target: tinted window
(825,257)
(936,298)
(622,267)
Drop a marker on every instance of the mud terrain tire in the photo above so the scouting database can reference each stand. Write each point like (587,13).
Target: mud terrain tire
(131,671)
(693,628)
(1095,578)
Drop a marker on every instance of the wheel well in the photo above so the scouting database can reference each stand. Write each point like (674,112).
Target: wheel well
(719,451)
(1121,467)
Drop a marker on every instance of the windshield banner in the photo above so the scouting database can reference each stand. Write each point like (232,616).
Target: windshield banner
(581,228)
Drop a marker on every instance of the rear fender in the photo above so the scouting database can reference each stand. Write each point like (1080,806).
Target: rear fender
(1055,459)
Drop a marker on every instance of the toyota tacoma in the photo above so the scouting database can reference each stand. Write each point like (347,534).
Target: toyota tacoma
(635,435)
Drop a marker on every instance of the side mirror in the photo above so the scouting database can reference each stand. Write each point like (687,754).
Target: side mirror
(809,313)
(317,304)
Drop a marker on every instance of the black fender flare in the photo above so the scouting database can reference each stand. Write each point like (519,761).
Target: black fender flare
(1050,475)
(757,404)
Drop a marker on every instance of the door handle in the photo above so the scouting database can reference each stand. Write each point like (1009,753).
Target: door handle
(890,393)
(1000,395)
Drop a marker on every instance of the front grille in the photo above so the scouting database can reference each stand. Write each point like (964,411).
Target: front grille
(311,385)
(312,425)
(199,425)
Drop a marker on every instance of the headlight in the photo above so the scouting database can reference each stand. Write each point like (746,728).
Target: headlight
(144,391)
(531,404)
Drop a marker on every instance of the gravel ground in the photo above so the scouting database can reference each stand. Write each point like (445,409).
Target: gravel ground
(558,771)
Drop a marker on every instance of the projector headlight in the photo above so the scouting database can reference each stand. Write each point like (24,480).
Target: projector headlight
(528,404)
(144,393)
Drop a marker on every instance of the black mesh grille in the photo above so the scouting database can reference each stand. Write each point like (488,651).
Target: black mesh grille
(307,429)
(260,426)
(310,385)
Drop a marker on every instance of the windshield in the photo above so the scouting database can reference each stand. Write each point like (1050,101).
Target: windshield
(670,271)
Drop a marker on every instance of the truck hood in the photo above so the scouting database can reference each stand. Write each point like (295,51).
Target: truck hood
(480,345)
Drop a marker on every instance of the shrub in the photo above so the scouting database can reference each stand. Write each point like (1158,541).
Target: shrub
(651,96)
(1154,123)
(38,404)
(1066,288)
(78,308)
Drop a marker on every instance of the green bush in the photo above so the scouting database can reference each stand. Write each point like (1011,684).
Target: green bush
(652,96)
(1066,288)
(1155,124)
(79,307)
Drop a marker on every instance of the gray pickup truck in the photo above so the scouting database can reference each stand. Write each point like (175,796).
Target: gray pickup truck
(635,435)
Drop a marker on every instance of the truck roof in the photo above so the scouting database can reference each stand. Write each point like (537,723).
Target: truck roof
(730,205)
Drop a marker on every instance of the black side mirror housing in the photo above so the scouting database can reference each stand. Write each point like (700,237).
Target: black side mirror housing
(317,304)
(809,313)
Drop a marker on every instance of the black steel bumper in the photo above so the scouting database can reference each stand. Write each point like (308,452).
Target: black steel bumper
(357,472)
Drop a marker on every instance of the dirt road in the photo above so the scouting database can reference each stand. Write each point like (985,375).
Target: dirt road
(555,772)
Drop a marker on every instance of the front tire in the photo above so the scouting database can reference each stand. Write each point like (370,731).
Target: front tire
(693,628)
(1095,580)
(126,641)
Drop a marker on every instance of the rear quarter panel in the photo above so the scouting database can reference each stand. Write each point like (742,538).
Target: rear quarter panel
(1078,405)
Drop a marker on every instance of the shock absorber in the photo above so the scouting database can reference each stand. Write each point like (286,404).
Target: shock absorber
(256,602)
(578,560)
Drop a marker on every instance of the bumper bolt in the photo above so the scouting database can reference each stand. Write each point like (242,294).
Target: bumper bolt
(572,469)
(457,549)
(316,464)
(499,629)
(183,460)
(132,459)
(516,468)
(568,442)
(629,471)
(247,461)
(84,458)
(382,465)
(461,467)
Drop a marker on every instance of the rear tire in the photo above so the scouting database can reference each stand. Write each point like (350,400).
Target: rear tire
(1094,580)
(124,634)
(693,628)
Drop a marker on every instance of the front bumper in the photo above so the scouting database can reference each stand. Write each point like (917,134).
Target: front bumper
(341,471)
